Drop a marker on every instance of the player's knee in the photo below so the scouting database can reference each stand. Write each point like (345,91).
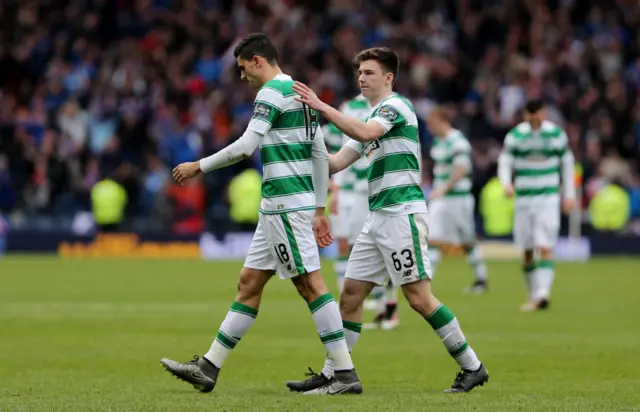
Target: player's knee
(310,286)
(528,257)
(251,284)
(419,297)
(351,296)
(545,253)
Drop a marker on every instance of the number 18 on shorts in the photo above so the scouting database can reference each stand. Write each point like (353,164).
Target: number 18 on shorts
(285,243)
(391,246)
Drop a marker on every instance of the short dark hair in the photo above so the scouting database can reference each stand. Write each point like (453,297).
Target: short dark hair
(383,55)
(256,44)
(533,106)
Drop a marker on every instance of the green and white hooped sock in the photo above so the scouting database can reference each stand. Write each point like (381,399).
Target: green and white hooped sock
(447,327)
(237,322)
(352,332)
(326,316)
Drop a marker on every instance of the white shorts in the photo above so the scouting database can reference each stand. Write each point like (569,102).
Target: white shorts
(353,209)
(451,220)
(391,247)
(284,243)
(537,224)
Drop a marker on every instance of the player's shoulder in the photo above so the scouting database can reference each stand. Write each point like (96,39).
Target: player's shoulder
(458,139)
(277,90)
(551,129)
(520,131)
(399,104)
(357,103)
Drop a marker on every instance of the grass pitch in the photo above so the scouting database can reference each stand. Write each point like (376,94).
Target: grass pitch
(87,335)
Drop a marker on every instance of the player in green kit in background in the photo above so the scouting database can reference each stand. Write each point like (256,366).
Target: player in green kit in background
(350,203)
(536,155)
(451,204)
(393,242)
(292,216)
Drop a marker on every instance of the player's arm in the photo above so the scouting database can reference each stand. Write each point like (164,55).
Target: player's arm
(346,156)
(320,176)
(568,177)
(351,126)
(238,150)
(320,165)
(265,112)
(461,165)
(235,152)
(505,165)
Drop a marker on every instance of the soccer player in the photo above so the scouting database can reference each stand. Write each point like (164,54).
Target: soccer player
(451,203)
(538,153)
(394,239)
(294,190)
(349,191)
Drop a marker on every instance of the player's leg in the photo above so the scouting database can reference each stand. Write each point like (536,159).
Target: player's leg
(351,307)
(476,261)
(365,264)
(437,221)
(391,320)
(467,233)
(259,267)
(340,228)
(298,259)
(414,274)
(523,238)
(528,270)
(340,263)
(389,309)
(547,226)
(446,325)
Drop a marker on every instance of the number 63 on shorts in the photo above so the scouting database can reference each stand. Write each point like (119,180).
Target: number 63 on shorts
(391,247)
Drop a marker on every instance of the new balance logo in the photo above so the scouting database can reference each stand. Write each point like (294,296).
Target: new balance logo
(407,273)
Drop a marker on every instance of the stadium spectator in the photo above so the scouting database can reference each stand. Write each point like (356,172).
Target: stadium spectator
(89,86)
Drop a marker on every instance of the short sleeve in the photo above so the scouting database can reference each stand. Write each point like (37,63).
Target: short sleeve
(564,144)
(267,107)
(355,145)
(462,153)
(388,115)
(509,145)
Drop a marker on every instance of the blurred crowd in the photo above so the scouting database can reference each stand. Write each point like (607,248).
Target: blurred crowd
(128,89)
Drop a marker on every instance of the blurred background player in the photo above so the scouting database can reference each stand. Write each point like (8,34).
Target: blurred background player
(349,201)
(538,152)
(451,203)
(350,205)
(292,216)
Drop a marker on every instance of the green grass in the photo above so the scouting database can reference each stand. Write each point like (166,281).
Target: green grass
(88,335)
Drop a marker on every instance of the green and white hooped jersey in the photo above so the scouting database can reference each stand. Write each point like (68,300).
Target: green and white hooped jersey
(394,165)
(354,177)
(448,153)
(537,159)
(289,130)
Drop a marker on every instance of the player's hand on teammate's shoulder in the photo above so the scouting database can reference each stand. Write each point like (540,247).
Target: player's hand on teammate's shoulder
(568,205)
(186,171)
(307,96)
(322,231)
(508,190)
